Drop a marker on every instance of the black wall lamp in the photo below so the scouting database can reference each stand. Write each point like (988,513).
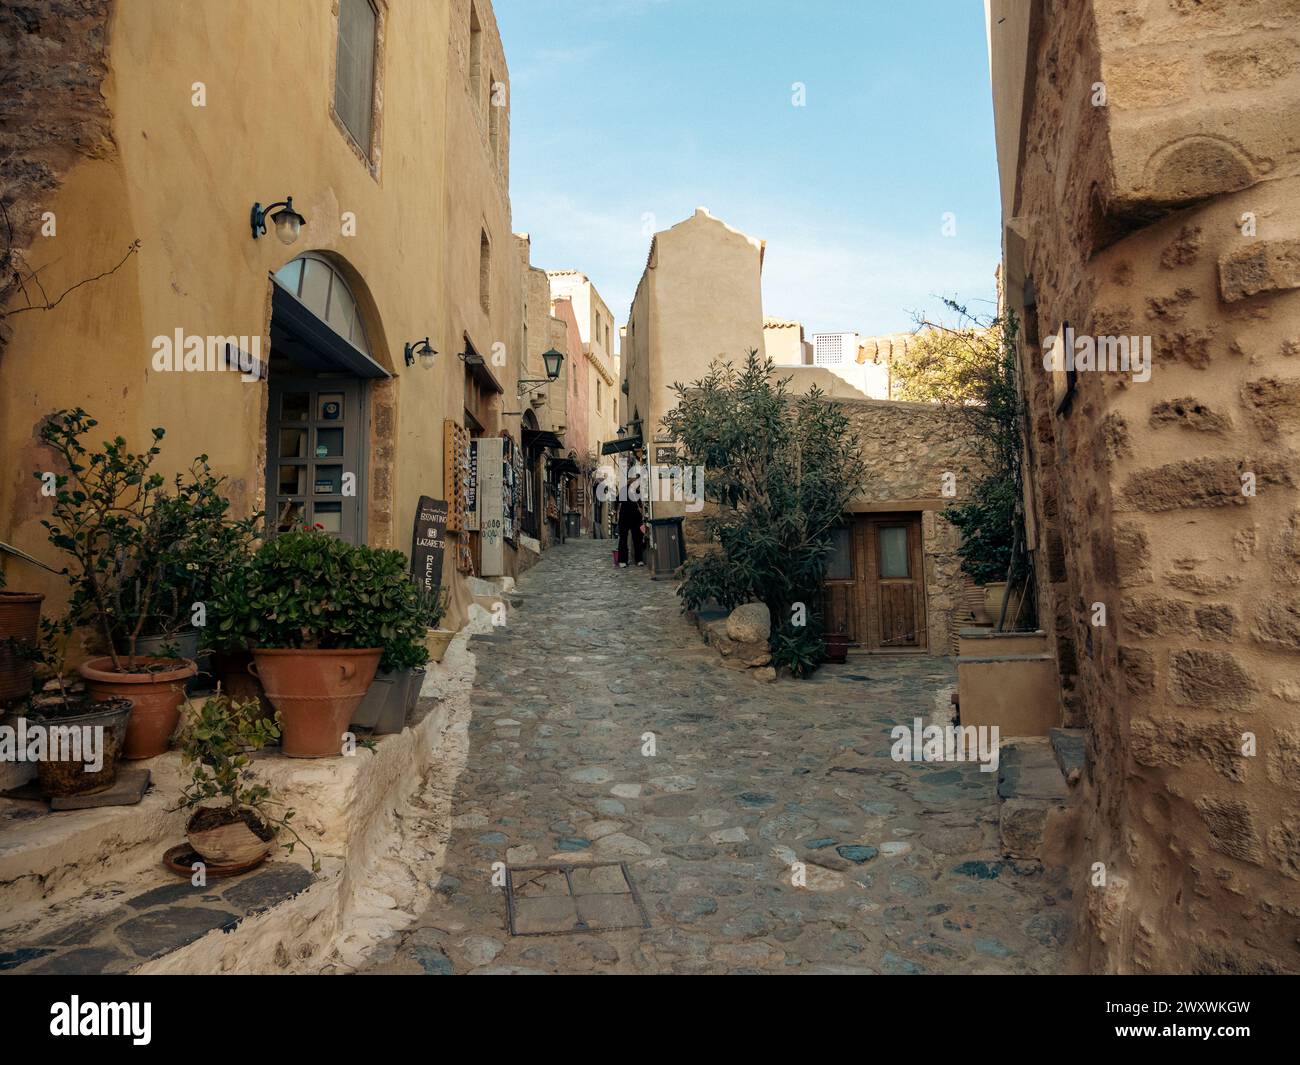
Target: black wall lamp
(553,360)
(423,350)
(288,222)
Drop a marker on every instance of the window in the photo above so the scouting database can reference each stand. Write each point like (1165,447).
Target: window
(484,271)
(324,292)
(494,118)
(598,391)
(839,561)
(354,69)
(475,57)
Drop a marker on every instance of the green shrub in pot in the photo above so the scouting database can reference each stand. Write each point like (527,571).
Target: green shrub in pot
(319,614)
(234,821)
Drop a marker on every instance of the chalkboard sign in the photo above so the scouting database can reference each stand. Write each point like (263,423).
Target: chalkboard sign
(428,543)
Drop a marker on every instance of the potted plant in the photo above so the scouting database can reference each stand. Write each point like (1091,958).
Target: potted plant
(84,736)
(401,669)
(20,614)
(319,613)
(436,638)
(217,739)
(104,521)
(188,544)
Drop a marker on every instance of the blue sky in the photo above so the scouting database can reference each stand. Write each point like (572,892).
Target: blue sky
(626,108)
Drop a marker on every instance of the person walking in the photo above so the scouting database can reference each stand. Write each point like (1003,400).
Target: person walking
(630,523)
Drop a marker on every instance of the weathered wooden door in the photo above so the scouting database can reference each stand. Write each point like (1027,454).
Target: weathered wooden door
(874,587)
(895,547)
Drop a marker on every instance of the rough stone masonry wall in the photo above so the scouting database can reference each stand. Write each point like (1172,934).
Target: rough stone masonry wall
(1132,214)
(53,60)
(908,447)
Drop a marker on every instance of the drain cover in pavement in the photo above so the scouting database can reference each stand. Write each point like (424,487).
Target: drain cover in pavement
(557,900)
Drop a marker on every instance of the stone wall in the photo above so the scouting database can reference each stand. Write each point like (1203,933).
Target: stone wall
(1168,211)
(909,447)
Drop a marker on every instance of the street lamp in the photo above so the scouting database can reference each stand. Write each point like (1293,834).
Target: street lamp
(423,350)
(552,360)
(288,222)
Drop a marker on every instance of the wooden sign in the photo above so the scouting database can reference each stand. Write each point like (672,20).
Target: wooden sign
(429,544)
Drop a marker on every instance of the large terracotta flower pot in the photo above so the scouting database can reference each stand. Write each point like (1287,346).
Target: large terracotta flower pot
(20,613)
(230,670)
(66,775)
(155,687)
(316,692)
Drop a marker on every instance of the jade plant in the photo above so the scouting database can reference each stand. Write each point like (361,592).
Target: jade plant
(141,551)
(217,739)
(308,589)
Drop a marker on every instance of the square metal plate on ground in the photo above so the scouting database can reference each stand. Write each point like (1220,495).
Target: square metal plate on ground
(558,900)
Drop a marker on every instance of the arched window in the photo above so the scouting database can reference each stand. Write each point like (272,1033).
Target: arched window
(323,291)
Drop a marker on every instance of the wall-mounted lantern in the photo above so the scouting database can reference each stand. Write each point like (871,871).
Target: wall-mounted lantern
(288,222)
(552,360)
(422,350)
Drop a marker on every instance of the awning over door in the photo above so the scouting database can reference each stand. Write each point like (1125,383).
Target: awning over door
(540,438)
(296,331)
(630,443)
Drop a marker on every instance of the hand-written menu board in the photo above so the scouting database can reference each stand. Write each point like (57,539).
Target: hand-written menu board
(429,544)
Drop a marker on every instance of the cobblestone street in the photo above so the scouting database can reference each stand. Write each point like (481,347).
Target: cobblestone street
(901,860)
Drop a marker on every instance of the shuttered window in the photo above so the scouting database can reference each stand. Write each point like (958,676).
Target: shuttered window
(354,75)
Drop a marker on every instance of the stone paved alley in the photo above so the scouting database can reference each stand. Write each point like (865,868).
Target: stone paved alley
(903,874)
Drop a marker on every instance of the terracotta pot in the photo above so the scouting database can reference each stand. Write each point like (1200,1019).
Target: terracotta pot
(20,614)
(316,692)
(155,698)
(232,844)
(68,776)
(837,647)
(230,670)
(995,593)
(437,641)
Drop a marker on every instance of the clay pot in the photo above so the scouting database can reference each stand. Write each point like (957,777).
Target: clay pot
(995,594)
(437,641)
(155,698)
(837,646)
(63,777)
(230,669)
(316,692)
(230,844)
(20,613)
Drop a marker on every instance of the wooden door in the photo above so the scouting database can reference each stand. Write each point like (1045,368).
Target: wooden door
(874,588)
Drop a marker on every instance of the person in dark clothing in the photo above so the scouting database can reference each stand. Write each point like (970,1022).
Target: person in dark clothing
(630,523)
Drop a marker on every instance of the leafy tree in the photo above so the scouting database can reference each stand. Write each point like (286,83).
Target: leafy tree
(971,366)
(780,468)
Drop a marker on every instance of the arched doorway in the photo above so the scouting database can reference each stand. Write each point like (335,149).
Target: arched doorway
(317,433)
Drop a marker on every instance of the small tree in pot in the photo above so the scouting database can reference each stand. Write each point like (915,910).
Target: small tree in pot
(319,613)
(217,739)
(104,511)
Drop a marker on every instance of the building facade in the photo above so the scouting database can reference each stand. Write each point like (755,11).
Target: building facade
(389,126)
(1149,156)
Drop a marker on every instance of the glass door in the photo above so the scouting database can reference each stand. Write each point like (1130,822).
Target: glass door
(315,455)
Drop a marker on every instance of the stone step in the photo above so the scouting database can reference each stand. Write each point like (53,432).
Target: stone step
(120,928)
(1070,747)
(1035,820)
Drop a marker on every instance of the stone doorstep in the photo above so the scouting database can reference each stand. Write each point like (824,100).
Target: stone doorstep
(150,924)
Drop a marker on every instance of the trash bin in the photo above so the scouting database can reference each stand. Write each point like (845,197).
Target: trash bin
(670,545)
